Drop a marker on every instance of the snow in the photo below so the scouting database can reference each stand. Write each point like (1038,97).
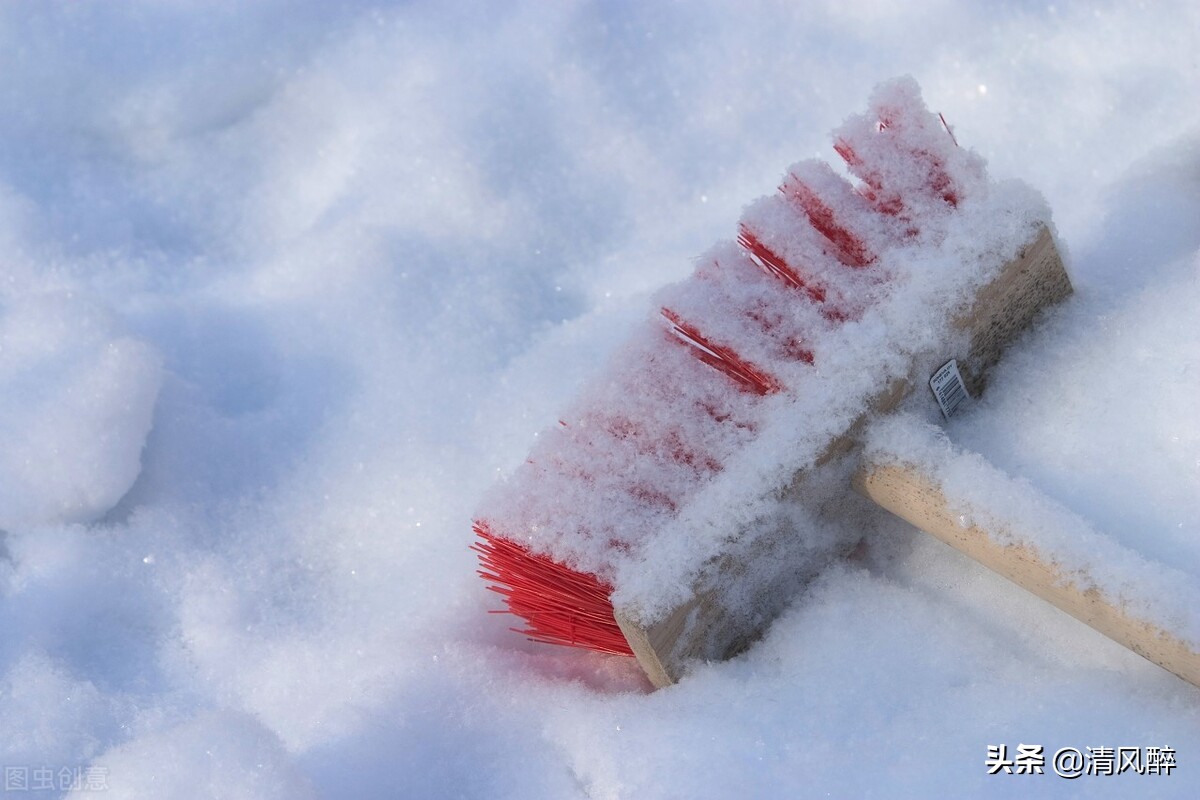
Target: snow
(216,754)
(78,398)
(321,274)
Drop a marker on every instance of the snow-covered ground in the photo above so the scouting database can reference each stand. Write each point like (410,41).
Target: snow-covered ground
(335,264)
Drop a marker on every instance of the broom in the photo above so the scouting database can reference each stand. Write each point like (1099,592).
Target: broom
(661,485)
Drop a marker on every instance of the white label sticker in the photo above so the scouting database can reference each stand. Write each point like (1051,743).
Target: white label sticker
(948,387)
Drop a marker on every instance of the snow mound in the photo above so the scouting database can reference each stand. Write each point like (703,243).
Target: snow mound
(76,403)
(218,754)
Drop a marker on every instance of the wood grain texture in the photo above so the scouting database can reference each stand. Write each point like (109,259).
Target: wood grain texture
(1005,308)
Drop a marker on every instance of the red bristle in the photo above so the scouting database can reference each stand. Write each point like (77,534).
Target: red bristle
(654,443)
(943,186)
(773,264)
(796,349)
(872,187)
(654,497)
(848,247)
(793,347)
(721,358)
(939,179)
(559,605)
(843,149)
(946,125)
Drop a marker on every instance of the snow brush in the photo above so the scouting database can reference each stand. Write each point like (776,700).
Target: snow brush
(699,480)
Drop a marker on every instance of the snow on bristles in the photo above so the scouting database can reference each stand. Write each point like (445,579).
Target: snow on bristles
(908,161)
(831,203)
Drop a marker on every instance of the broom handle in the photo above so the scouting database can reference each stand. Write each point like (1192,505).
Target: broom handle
(915,496)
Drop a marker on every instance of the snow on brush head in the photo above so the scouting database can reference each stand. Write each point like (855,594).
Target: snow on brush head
(917,170)
(673,453)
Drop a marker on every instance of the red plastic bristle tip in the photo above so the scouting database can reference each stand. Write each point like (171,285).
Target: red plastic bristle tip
(794,347)
(872,186)
(647,442)
(849,248)
(943,186)
(775,265)
(946,125)
(843,149)
(939,179)
(559,605)
(942,182)
(721,358)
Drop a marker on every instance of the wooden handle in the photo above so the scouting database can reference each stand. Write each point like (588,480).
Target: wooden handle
(915,496)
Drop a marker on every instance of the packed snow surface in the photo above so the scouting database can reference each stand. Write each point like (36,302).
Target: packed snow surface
(285,287)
